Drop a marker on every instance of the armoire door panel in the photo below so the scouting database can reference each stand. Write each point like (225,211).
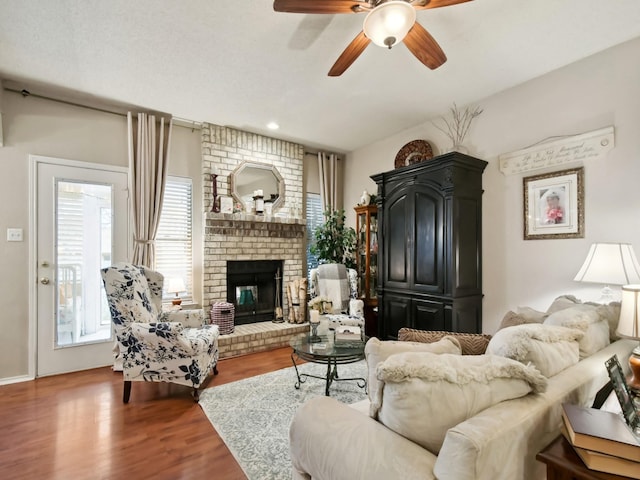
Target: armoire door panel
(467,314)
(466,249)
(427,255)
(428,315)
(396,242)
(396,314)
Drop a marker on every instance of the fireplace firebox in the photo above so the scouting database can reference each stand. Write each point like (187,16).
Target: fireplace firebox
(251,288)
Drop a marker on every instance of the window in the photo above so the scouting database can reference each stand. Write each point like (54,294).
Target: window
(315,218)
(173,240)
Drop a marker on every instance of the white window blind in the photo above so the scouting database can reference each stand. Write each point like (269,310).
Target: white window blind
(315,218)
(174,238)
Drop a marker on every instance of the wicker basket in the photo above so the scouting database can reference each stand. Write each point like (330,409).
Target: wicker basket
(222,314)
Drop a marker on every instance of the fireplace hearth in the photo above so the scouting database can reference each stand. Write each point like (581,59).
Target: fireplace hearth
(251,288)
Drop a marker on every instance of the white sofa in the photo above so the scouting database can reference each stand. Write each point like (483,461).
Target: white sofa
(332,441)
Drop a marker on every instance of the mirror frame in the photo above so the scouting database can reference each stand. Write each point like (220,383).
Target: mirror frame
(270,168)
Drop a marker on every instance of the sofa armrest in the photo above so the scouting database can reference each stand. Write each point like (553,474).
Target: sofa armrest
(168,335)
(192,318)
(329,440)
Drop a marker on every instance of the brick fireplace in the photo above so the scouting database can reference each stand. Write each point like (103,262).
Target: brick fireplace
(230,237)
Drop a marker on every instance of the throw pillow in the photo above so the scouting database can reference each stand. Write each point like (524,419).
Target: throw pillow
(549,348)
(422,395)
(531,315)
(586,318)
(511,319)
(562,302)
(471,343)
(376,351)
(611,313)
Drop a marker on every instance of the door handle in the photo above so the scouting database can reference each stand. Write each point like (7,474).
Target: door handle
(44,281)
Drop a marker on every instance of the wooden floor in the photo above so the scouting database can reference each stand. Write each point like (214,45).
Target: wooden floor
(76,427)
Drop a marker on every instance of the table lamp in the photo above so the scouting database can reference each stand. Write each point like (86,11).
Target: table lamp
(609,264)
(176,285)
(629,327)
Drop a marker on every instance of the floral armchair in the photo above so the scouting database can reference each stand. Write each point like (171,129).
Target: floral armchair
(153,345)
(339,285)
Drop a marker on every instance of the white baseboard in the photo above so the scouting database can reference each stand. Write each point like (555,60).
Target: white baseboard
(10,380)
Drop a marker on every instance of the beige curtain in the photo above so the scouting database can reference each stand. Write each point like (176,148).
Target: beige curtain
(149,141)
(328,170)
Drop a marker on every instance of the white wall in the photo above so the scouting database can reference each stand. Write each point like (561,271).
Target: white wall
(596,92)
(41,127)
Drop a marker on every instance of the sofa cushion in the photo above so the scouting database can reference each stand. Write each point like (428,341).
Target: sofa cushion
(471,343)
(586,318)
(376,351)
(421,395)
(549,348)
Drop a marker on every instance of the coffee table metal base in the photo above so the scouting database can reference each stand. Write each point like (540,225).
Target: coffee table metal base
(332,370)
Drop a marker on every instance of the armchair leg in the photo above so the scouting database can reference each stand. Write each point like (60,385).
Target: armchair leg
(196,394)
(215,369)
(127,391)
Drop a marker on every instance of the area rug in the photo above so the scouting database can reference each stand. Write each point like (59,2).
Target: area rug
(252,416)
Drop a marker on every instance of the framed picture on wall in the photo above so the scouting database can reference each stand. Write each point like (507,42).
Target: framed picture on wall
(554,205)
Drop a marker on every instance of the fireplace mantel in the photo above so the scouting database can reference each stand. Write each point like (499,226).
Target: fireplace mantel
(240,224)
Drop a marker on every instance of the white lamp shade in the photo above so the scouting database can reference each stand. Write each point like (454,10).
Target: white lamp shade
(610,264)
(389,23)
(629,324)
(176,285)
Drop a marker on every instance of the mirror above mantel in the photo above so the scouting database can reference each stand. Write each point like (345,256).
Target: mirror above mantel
(252,176)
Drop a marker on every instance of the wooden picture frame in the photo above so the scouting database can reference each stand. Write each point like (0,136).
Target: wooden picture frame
(620,386)
(554,205)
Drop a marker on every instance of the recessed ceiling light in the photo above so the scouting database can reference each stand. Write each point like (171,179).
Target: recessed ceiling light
(273,126)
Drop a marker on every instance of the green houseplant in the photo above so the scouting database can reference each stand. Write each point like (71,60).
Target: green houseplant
(334,242)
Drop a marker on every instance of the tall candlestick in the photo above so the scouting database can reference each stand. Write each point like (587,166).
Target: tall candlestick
(215,208)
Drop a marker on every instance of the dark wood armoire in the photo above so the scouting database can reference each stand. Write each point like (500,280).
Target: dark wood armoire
(430,246)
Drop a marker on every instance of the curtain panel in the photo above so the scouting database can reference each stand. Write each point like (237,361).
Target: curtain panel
(149,141)
(328,169)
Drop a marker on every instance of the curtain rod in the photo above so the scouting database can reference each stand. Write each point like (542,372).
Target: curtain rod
(183,122)
(315,154)
(26,93)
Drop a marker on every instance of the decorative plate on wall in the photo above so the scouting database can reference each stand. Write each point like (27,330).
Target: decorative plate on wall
(415,151)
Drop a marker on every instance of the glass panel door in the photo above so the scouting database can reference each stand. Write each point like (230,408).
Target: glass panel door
(82,226)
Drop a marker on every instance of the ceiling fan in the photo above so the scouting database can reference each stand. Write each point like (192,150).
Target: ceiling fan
(387,23)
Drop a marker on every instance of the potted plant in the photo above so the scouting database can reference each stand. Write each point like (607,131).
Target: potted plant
(334,242)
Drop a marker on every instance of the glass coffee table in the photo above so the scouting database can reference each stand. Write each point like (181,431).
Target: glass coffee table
(323,350)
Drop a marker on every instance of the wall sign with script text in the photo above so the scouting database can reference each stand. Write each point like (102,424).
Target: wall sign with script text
(587,146)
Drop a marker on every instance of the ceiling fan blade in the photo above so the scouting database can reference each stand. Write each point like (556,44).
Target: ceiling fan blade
(424,4)
(320,6)
(424,47)
(353,51)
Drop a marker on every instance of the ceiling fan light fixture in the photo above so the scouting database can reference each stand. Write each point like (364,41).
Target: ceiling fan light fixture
(389,23)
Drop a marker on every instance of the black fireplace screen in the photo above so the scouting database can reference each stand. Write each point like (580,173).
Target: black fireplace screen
(251,287)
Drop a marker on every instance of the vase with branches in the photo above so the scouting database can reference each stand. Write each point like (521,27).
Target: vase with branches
(334,242)
(457,126)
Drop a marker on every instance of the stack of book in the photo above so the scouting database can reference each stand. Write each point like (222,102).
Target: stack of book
(602,440)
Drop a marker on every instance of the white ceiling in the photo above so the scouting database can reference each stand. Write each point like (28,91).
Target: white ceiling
(239,63)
